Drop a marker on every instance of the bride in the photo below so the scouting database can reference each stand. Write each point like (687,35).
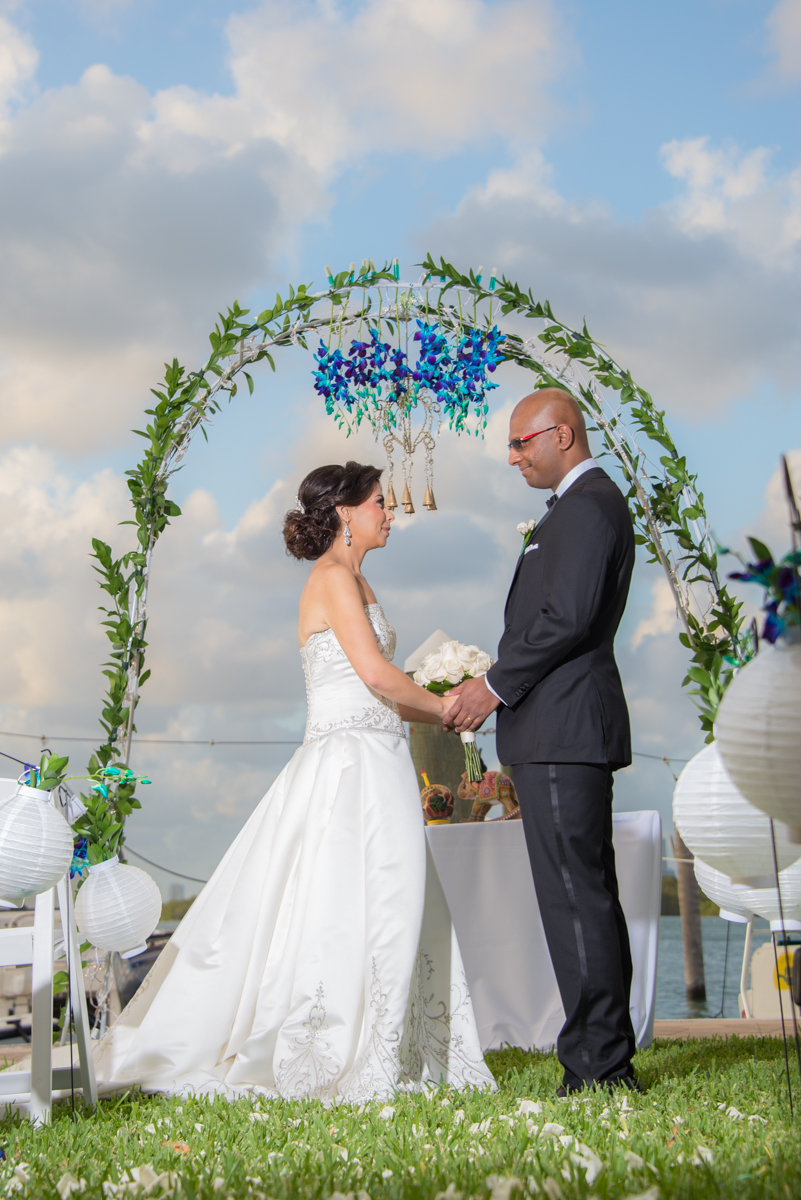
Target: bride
(320,959)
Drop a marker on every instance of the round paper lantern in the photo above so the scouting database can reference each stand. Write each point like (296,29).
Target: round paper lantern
(758,730)
(118,907)
(721,891)
(719,825)
(765,901)
(35,844)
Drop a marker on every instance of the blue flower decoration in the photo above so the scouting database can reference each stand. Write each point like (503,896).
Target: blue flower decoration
(456,375)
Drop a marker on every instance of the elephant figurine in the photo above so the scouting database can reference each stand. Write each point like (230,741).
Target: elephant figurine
(493,788)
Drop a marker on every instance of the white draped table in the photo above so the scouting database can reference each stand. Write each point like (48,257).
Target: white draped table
(486,876)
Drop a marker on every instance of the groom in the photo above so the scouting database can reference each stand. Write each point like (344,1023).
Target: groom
(564,725)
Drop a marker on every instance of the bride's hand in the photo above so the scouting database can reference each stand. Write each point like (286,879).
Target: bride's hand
(448,700)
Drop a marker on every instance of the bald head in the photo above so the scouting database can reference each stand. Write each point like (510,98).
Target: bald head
(560,442)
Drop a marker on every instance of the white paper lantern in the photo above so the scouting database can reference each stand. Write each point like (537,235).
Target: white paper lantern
(118,907)
(719,826)
(35,843)
(758,730)
(721,891)
(765,901)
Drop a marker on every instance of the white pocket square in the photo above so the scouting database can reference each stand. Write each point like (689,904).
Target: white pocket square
(536,546)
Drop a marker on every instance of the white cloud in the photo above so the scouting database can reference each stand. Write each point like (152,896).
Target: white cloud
(729,192)
(392,74)
(663,618)
(697,299)
(784,37)
(772,523)
(49,625)
(18,61)
(120,235)
(119,240)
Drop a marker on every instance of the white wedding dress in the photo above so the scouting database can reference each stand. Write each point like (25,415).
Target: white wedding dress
(319,960)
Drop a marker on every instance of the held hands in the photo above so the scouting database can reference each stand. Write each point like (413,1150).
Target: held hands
(469,705)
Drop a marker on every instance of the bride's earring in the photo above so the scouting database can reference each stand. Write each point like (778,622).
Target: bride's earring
(347,534)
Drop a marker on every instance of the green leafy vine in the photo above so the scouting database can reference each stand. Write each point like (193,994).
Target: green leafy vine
(667,507)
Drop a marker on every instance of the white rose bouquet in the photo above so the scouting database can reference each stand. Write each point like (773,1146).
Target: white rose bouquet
(447,667)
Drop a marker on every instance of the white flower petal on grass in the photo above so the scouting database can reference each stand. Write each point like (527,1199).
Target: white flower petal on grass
(502,1186)
(552,1189)
(526,1107)
(256,1116)
(387,1112)
(551,1130)
(217,1183)
(702,1155)
(386,1174)
(458,1116)
(588,1161)
(150,1128)
(68,1184)
(531,1128)
(653,1193)
(633,1161)
(450,1193)
(481,1126)
(756,1120)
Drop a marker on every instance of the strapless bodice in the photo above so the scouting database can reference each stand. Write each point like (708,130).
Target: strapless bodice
(337,698)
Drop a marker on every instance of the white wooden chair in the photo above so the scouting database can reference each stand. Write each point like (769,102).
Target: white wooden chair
(34,946)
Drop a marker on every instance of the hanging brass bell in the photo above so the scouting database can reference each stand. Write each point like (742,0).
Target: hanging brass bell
(428,500)
(389,501)
(406,499)
(408,508)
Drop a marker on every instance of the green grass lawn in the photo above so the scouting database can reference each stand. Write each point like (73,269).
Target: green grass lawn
(714,1122)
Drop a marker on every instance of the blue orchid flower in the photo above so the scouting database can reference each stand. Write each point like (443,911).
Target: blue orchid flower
(80,860)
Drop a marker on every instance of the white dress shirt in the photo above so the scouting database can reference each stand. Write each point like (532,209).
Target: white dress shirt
(569,479)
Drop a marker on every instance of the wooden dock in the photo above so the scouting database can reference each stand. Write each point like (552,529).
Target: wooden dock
(711,1027)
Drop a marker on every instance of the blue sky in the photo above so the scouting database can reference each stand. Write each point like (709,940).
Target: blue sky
(637,164)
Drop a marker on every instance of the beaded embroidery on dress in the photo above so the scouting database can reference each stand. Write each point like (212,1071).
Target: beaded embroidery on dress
(334,690)
(320,959)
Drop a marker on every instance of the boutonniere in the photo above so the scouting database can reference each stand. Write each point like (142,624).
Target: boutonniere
(526,528)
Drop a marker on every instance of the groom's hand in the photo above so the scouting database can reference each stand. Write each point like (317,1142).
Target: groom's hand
(472,705)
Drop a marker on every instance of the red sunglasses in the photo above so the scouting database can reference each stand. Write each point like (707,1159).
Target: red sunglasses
(517,443)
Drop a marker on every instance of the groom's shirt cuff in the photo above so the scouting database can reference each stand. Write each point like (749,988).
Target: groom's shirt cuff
(492,689)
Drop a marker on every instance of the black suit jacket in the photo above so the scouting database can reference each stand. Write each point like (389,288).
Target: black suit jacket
(556,669)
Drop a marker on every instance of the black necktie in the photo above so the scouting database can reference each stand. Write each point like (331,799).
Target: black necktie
(551,500)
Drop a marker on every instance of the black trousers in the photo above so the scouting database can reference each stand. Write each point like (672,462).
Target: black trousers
(567,819)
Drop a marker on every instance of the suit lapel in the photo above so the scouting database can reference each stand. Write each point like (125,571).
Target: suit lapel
(520,557)
(593,473)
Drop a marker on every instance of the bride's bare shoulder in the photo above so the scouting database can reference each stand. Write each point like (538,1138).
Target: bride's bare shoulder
(325,576)
(327,582)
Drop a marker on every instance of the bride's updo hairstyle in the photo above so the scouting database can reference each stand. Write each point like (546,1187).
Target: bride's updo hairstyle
(310,529)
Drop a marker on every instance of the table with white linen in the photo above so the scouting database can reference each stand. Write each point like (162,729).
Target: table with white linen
(486,876)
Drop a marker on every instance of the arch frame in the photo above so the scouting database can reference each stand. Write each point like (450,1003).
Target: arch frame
(667,508)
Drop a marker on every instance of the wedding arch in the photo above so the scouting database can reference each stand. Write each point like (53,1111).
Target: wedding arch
(455,319)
